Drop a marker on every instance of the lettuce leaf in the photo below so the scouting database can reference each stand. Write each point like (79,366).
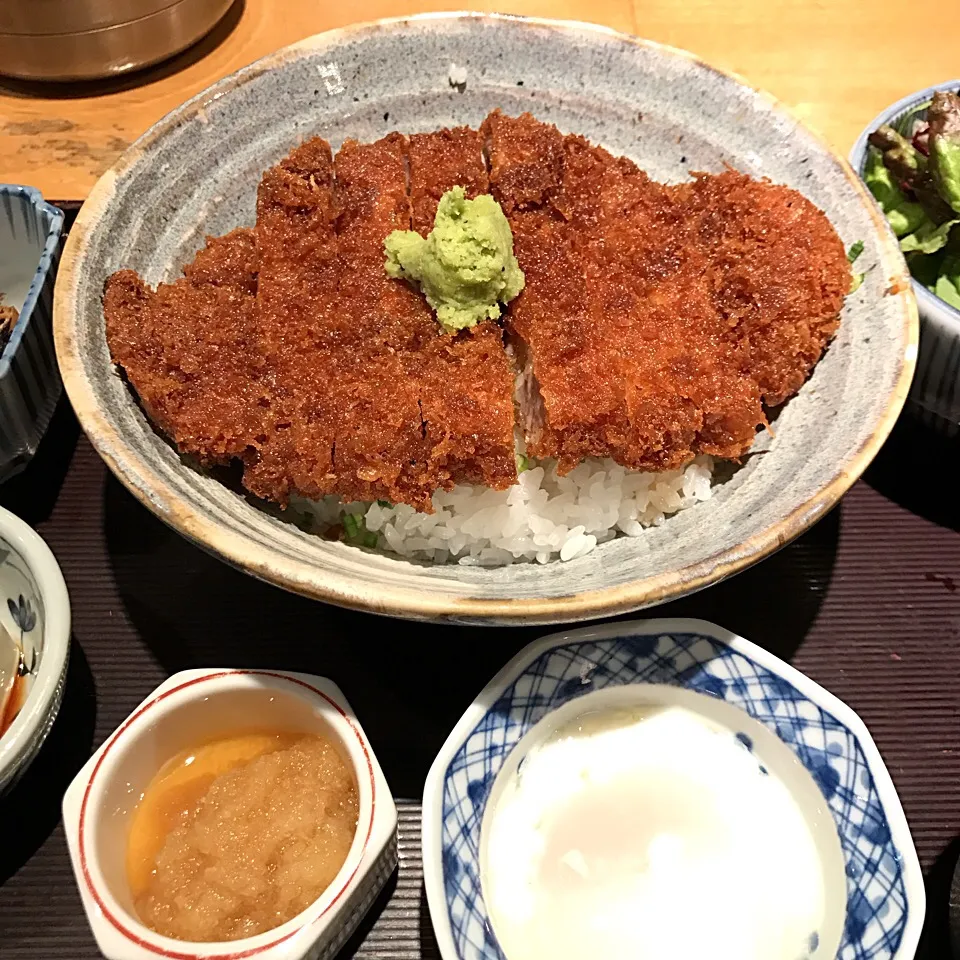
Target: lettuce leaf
(925,268)
(948,290)
(928,237)
(903,215)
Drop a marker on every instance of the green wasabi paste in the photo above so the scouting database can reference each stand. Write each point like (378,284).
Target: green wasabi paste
(465,267)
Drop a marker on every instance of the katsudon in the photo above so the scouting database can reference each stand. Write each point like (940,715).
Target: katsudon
(653,330)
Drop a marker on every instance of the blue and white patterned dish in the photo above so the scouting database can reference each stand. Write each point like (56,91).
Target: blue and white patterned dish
(35,611)
(935,392)
(885,893)
(30,233)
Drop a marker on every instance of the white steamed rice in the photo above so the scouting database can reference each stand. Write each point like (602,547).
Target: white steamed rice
(541,518)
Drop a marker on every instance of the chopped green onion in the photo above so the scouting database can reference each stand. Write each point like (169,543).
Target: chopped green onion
(855,250)
(351,525)
(856,281)
(355,531)
(386,504)
(523,463)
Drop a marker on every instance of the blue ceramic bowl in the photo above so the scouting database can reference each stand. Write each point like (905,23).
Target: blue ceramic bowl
(885,899)
(935,393)
(30,232)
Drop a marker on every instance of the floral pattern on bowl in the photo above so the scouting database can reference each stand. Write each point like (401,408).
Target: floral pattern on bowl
(885,894)
(20,620)
(35,612)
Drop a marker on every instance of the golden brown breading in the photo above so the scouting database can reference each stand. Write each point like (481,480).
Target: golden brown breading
(438,162)
(526,160)
(190,349)
(297,320)
(377,402)
(621,300)
(466,398)
(779,274)
(655,322)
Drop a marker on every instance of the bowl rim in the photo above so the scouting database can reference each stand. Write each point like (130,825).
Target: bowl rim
(300,931)
(21,738)
(432,810)
(857,157)
(409,601)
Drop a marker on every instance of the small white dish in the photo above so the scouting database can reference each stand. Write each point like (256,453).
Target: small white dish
(197,706)
(813,744)
(35,613)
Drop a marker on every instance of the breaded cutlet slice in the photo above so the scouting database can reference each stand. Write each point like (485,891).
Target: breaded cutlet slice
(779,274)
(572,397)
(525,159)
(690,306)
(382,448)
(601,356)
(438,162)
(190,350)
(347,418)
(685,391)
(372,200)
(402,408)
(615,213)
(297,320)
(467,379)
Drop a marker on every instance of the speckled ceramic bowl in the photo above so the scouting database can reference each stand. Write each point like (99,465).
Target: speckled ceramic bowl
(195,173)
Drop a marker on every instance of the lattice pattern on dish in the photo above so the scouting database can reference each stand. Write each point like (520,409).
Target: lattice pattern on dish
(876,897)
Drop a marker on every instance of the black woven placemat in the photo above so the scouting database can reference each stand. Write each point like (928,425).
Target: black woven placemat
(867,604)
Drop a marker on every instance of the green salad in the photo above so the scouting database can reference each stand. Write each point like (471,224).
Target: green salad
(913,170)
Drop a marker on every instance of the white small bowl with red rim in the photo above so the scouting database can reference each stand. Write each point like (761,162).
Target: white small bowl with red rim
(191,708)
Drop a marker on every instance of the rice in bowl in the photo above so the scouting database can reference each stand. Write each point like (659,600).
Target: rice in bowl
(543,517)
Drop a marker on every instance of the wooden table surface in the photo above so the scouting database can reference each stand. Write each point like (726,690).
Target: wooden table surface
(836,63)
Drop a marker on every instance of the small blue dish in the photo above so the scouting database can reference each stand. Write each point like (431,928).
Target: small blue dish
(885,900)
(935,392)
(30,233)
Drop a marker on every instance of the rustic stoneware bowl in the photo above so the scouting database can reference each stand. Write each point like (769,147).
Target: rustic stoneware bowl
(195,173)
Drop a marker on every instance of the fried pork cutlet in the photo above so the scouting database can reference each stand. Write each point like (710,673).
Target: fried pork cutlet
(576,398)
(382,442)
(616,300)
(656,319)
(779,274)
(190,349)
(655,323)
(374,402)
(297,323)
(438,162)
(467,380)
